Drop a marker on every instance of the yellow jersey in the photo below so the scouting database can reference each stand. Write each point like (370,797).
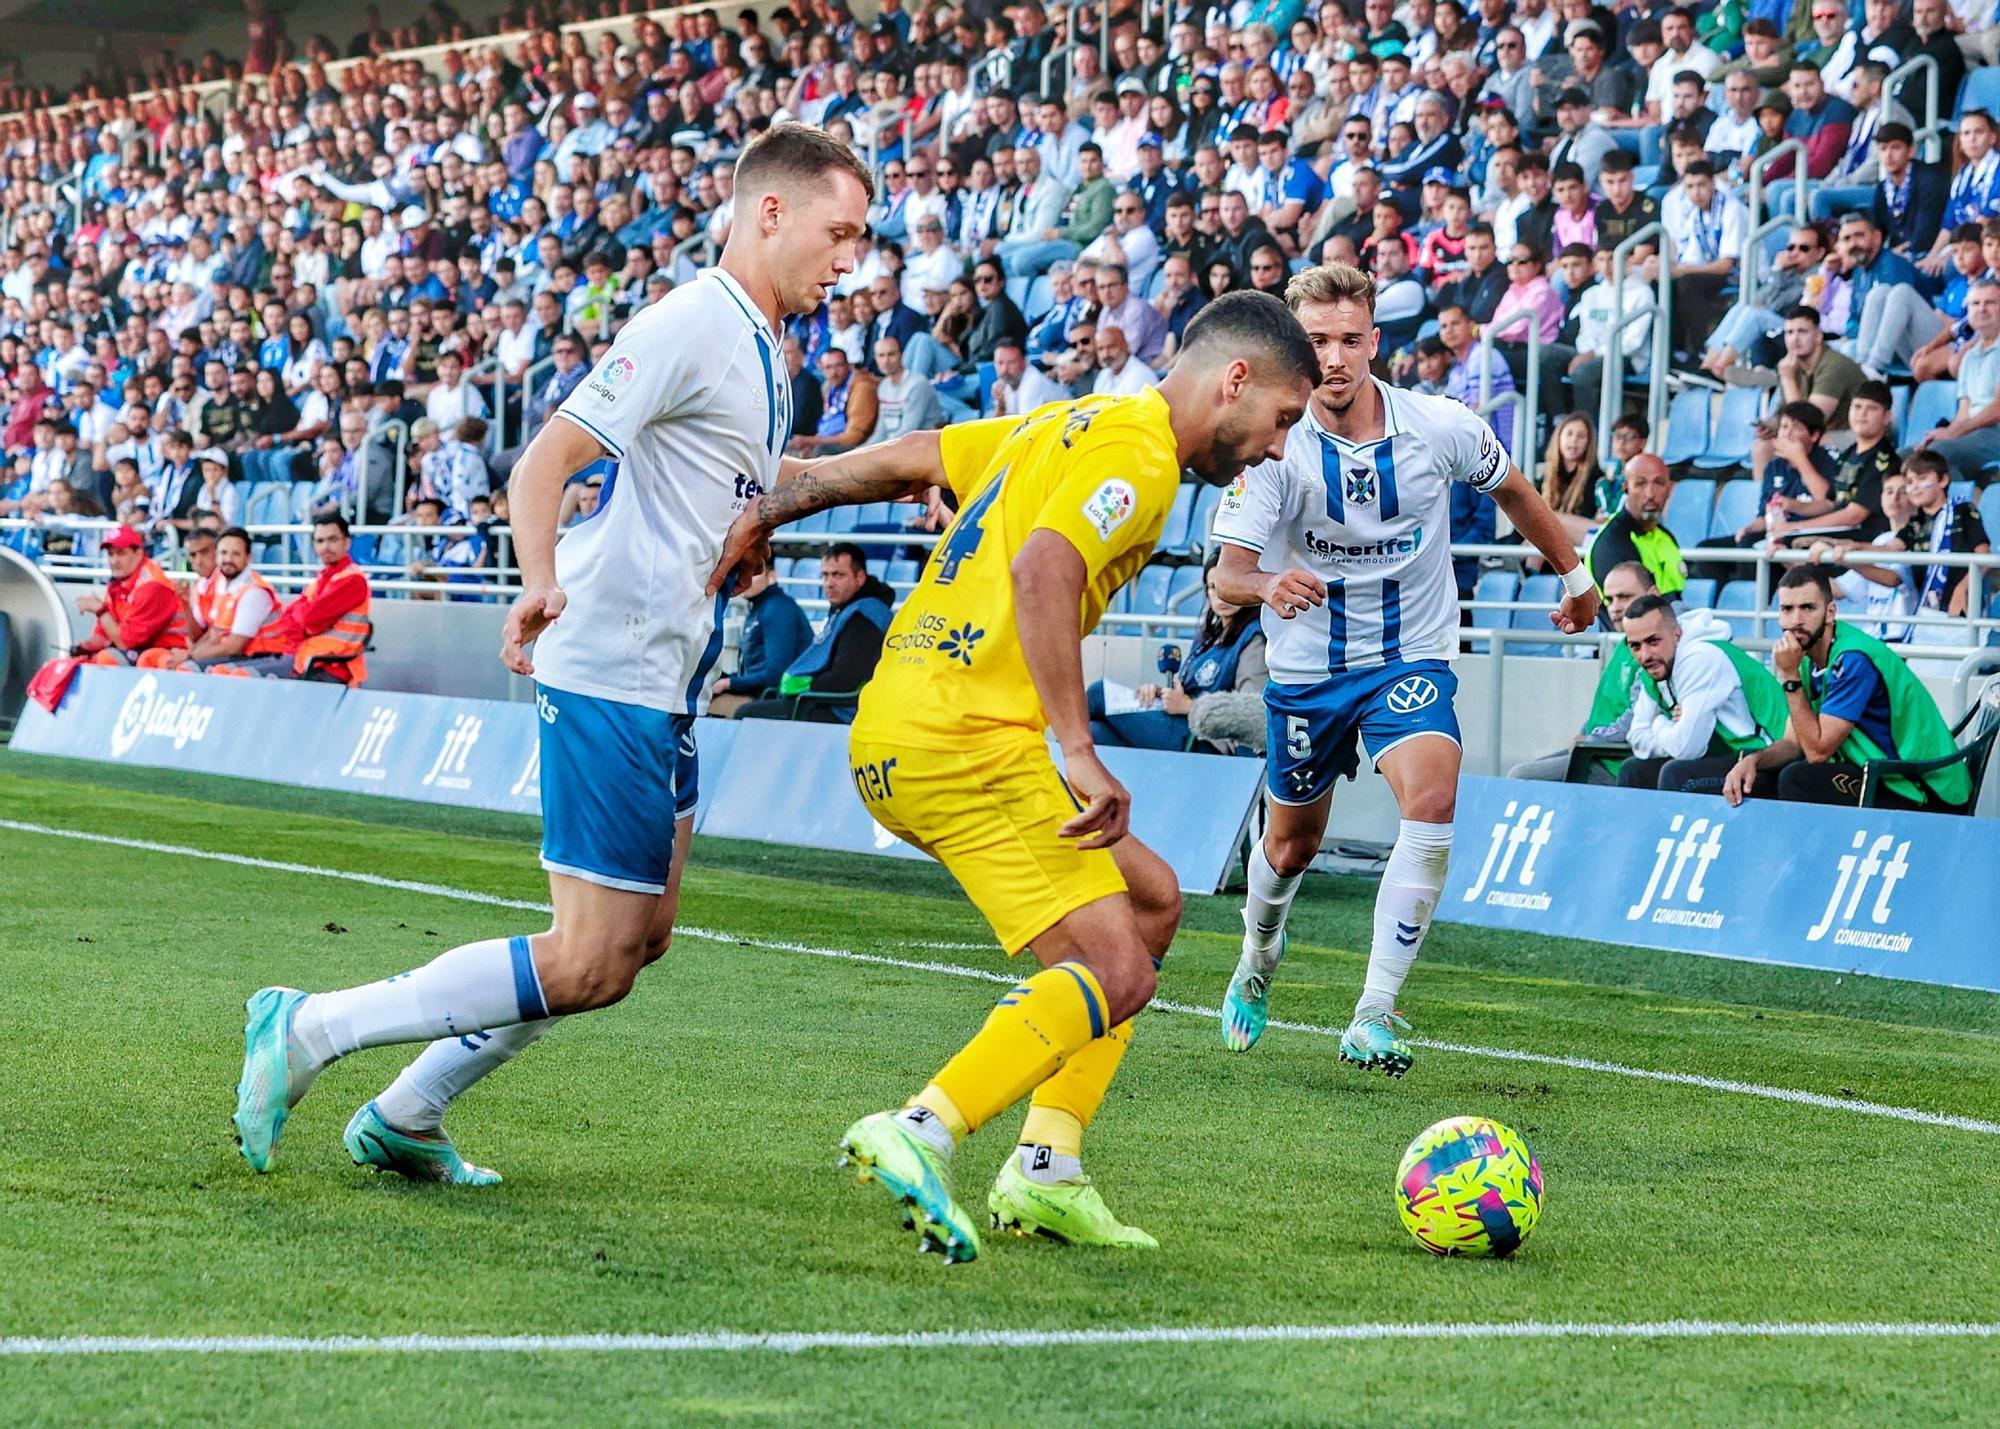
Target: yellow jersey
(1103,473)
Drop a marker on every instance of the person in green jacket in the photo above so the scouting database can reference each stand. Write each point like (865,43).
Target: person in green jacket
(1611,706)
(1698,702)
(1850,700)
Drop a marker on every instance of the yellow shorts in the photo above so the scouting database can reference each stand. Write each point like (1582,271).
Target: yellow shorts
(991,816)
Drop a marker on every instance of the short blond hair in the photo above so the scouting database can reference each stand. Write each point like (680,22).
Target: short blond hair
(1331,283)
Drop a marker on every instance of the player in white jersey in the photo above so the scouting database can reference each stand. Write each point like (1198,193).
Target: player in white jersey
(692,404)
(1346,543)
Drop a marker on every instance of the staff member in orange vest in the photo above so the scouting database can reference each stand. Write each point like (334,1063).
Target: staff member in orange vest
(139,611)
(323,631)
(230,605)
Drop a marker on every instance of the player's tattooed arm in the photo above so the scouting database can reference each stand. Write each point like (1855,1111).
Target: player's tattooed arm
(907,466)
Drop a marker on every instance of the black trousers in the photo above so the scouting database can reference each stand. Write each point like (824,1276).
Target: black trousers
(781,708)
(1836,783)
(1677,776)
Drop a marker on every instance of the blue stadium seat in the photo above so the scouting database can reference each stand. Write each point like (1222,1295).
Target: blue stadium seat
(817,522)
(1934,403)
(1899,406)
(1184,594)
(1041,297)
(1963,490)
(1175,539)
(1737,596)
(874,516)
(1017,289)
(269,505)
(1729,439)
(1687,426)
(901,572)
(1688,509)
(1149,592)
(1735,507)
(1698,594)
(1494,586)
(1993,613)
(1989,510)
(1541,594)
(841,519)
(1205,505)
(1981,90)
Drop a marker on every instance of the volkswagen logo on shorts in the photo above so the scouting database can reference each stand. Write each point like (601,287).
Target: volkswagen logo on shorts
(1411,694)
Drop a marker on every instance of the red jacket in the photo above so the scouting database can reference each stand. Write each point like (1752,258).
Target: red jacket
(147,608)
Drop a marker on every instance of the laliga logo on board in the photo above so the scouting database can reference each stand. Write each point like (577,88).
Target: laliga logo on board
(448,770)
(1674,857)
(1858,873)
(366,760)
(182,719)
(1514,830)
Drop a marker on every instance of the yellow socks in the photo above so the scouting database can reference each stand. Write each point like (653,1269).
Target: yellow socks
(1066,1102)
(1038,1026)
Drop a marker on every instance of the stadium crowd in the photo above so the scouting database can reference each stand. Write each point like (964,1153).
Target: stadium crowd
(364,284)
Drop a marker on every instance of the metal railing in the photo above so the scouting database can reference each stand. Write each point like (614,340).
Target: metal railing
(1753,242)
(531,377)
(1524,411)
(1611,391)
(1892,88)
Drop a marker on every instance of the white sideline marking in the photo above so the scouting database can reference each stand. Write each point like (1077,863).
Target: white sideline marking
(1503,1054)
(737,1342)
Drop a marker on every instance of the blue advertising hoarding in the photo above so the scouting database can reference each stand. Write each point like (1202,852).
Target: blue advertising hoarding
(1873,891)
(777,782)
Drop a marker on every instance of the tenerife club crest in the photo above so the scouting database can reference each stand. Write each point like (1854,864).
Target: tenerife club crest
(1360,486)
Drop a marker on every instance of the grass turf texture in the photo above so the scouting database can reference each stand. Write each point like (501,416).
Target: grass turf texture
(669,1163)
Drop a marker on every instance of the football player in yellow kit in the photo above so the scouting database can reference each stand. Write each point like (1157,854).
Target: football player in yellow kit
(949,750)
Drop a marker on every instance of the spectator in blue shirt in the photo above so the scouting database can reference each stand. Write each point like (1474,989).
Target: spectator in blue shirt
(774,632)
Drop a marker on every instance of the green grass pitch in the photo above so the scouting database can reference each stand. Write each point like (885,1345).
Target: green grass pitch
(669,1162)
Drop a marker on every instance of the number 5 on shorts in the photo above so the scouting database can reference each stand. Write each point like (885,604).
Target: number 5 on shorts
(1298,737)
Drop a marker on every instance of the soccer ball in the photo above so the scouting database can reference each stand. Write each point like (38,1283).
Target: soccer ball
(1469,1186)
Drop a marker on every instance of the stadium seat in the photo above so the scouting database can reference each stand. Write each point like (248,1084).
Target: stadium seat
(1687,427)
(841,519)
(1149,592)
(1041,297)
(1737,597)
(1729,439)
(1964,489)
(1175,539)
(1494,586)
(1981,90)
(875,516)
(1205,505)
(1689,508)
(1735,507)
(1933,404)
(1698,594)
(1989,510)
(901,572)
(1017,289)
(1184,595)
(269,505)
(817,522)
(1540,595)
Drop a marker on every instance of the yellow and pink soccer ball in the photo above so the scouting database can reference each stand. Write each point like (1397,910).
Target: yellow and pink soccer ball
(1469,1186)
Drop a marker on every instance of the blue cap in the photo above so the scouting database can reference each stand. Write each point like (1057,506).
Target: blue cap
(1439,174)
(1149,141)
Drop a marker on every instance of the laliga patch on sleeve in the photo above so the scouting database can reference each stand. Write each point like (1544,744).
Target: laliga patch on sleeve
(1233,494)
(1110,506)
(614,377)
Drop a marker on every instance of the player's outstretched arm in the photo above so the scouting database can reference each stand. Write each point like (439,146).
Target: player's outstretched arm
(1049,575)
(1541,528)
(908,466)
(1240,581)
(534,505)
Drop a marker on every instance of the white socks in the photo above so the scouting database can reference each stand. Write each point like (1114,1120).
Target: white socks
(1045,1167)
(924,1122)
(417,1099)
(1403,907)
(474,988)
(1265,910)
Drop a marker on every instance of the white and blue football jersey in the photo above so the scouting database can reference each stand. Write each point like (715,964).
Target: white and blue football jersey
(693,404)
(1372,520)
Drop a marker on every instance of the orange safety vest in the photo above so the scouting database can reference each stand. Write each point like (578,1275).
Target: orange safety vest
(215,603)
(346,639)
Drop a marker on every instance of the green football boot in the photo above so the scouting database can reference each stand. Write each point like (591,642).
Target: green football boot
(263,1093)
(1247,1004)
(882,1149)
(371,1141)
(1371,1043)
(1072,1212)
